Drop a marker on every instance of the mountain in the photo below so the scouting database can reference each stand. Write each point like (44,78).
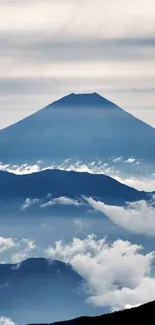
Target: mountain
(66,184)
(141,314)
(82,126)
(38,288)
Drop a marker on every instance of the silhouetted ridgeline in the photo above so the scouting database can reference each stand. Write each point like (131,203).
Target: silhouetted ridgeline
(144,313)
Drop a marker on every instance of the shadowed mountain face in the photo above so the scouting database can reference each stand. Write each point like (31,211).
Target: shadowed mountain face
(69,184)
(41,289)
(144,313)
(84,127)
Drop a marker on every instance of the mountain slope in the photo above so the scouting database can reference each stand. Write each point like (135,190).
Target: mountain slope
(66,183)
(37,288)
(84,126)
(144,313)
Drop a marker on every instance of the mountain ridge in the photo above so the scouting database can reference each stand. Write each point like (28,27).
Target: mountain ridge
(66,183)
(142,313)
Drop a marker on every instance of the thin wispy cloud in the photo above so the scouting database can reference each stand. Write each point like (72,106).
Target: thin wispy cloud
(61,201)
(45,202)
(29,202)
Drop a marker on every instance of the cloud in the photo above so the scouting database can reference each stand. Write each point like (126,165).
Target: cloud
(28,203)
(130,160)
(140,183)
(117,274)
(81,226)
(6,243)
(43,203)
(137,217)
(61,201)
(26,248)
(15,251)
(92,167)
(118,159)
(142,180)
(20,169)
(64,46)
(6,321)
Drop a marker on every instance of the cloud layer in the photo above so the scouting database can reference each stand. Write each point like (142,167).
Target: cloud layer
(137,217)
(59,47)
(116,274)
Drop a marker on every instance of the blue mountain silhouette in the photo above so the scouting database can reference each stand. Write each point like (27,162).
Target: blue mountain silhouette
(82,126)
(66,183)
(41,289)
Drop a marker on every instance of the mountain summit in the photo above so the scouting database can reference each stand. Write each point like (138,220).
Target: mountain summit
(82,126)
(83,100)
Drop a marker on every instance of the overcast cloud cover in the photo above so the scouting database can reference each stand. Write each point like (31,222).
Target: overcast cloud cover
(51,48)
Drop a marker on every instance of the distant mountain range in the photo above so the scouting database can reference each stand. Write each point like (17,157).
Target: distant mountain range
(141,314)
(37,289)
(82,126)
(66,184)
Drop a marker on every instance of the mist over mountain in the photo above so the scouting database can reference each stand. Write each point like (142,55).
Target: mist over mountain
(82,126)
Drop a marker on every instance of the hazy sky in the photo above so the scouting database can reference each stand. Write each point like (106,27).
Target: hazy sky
(49,48)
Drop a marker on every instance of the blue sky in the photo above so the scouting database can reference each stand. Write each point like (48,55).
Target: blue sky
(53,47)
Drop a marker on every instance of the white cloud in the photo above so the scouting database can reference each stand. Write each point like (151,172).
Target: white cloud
(15,250)
(6,321)
(6,243)
(130,160)
(117,274)
(29,202)
(93,167)
(61,201)
(20,169)
(140,183)
(118,159)
(26,248)
(137,217)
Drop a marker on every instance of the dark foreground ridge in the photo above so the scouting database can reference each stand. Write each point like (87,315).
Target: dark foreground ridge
(144,313)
